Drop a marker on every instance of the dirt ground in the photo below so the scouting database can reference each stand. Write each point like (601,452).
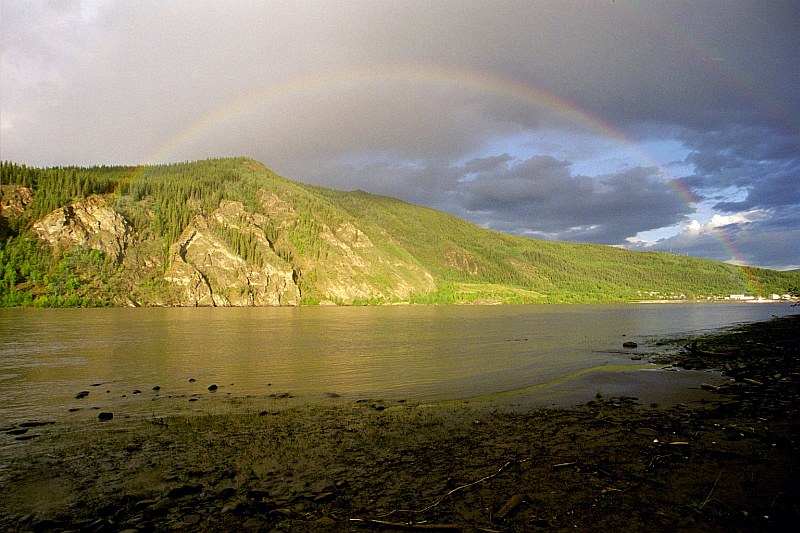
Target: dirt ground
(729,464)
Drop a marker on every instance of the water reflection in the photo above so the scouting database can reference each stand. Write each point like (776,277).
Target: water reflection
(47,356)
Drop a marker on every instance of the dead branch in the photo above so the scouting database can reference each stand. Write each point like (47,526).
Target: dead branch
(407,526)
(711,492)
(510,506)
(457,489)
(655,459)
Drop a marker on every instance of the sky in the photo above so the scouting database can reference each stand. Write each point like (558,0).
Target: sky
(663,126)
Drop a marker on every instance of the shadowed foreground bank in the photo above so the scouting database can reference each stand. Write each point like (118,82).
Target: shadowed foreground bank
(728,464)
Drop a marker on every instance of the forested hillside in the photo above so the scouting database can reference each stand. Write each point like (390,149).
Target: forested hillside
(231,232)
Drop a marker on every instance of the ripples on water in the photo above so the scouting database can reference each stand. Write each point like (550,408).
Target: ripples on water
(420,353)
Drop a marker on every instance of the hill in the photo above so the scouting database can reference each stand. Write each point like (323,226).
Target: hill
(232,232)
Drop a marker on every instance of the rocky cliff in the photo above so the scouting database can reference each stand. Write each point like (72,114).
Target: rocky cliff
(90,222)
(210,272)
(237,256)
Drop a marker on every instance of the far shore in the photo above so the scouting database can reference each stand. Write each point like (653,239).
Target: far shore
(712,301)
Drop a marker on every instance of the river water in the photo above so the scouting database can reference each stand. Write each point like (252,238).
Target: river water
(418,353)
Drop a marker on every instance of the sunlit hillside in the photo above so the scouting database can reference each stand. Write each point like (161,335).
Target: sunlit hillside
(231,232)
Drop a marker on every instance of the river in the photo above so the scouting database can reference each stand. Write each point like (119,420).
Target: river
(417,353)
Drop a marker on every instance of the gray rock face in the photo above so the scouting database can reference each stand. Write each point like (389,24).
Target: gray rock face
(89,222)
(212,273)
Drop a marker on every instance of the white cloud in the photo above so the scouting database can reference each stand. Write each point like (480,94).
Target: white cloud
(717,221)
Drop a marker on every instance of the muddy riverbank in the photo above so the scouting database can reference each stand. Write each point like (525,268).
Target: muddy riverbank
(727,461)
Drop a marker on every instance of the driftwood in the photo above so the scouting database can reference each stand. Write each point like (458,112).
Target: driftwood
(694,350)
(461,487)
(379,522)
(510,506)
(406,526)
(711,354)
(711,492)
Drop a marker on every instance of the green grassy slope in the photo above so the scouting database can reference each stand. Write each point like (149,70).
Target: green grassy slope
(306,226)
(462,254)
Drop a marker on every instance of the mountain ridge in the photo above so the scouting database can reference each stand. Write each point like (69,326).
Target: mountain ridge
(230,231)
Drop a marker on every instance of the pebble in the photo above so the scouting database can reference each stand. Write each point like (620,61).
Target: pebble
(226,493)
(48,524)
(257,495)
(144,504)
(231,508)
(325,522)
(184,490)
(324,497)
(35,424)
(255,524)
(98,526)
(192,519)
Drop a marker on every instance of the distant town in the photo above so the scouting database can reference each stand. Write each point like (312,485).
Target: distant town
(749,298)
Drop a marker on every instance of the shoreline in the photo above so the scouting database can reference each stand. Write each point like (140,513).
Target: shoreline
(724,461)
(620,375)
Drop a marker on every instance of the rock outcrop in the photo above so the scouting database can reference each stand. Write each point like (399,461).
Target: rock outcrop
(13,200)
(238,255)
(346,265)
(235,257)
(211,273)
(355,269)
(90,222)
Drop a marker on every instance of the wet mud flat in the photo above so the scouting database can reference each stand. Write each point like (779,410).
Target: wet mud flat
(728,463)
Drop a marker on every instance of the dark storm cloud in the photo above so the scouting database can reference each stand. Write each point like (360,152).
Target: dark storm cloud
(534,196)
(320,91)
(761,165)
(538,195)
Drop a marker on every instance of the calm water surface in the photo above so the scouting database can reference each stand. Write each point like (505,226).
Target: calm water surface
(419,353)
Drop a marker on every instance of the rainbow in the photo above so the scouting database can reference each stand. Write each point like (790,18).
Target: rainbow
(451,77)
(423,74)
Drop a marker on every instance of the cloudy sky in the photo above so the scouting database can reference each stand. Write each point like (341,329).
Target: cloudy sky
(668,126)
